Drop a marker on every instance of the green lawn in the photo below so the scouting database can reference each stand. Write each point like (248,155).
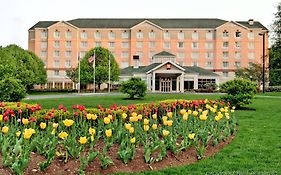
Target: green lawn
(256,148)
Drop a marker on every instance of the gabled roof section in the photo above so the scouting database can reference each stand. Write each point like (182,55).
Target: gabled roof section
(146,21)
(162,64)
(141,70)
(43,24)
(233,22)
(199,70)
(71,25)
(255,25)
(164,53)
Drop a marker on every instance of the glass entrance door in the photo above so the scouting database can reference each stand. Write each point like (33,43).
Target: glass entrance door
(166,84)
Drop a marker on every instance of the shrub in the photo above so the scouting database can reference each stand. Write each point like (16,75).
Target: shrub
(134,87)
(240,92)
(11,90)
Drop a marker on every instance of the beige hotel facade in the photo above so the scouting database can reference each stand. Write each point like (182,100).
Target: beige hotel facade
(169,54)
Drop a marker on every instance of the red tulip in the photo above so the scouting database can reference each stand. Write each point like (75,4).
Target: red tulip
(6,118)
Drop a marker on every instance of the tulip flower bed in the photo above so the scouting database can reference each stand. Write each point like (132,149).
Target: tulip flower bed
(87,135)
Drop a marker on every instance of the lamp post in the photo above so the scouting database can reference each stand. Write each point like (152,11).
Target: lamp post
(263,61)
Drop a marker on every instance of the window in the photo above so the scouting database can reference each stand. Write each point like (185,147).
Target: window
(83,44)
(68,34)
(139,35)
(56,34)
(43,54)
(195,35)
(56,53)
(140,54)
(251,45)
(44,34)
(56,72)
(167,45)
(225,74)
(67,63)
(238,55)
(194,55)
(209,35)
(57,44)
(238,45)
(124,64)
(225,44)
(82,54)
(180,35)
(84,35)
(225,54)
(225,64)
(209,45)
(139,44)
(68,53)
(68,44)
(125,54)
(251,35)
(209,55)
(209,64)
(151,35)
(166,35)
(125,44)
(237,64)
(111,35)
(180,55)
(151,44)
(195,45)
(125,34)
(180,45)
(238,34)
(111,44)
(202,82)
(97,35)
(98,44)
(43,45)
(251,55)
(151,54)
(195,63)
(225,34)
(56,63)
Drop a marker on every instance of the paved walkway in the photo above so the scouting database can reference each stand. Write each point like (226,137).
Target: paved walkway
(262,96)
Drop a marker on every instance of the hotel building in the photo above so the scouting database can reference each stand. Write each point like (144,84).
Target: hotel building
(169,54)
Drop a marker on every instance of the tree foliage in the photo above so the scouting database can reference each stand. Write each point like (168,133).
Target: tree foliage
(134,87)
(11,90)
(101,66)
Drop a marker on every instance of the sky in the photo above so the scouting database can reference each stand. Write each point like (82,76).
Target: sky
(17,16)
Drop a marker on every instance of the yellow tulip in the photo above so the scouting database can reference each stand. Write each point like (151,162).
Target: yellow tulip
(5,129)
(92,131)
(108,133)
(170,114)
(94,116)
(217,118)
(25,121)
(205,112)
(182,111)
(43,125)
(128,126)
(185,116)
(18,133)
(92,138)
(83,140)
(189,111)
(164,118)
(110,117)
(106,120)
(146,121)
(133,140)
(132,130)
(1,117)
(154,126)
(232,110)
(203,117)
(134,114)
(53,132)
(55,125)
(68,122)
(154,116)
(145,127)
(28,133)
(139,117)
(89,116)
(222,109)
(62,135)
(170,122)
(191,136)
(165,133)
(124,115)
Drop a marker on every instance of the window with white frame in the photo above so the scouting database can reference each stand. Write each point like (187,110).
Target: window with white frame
(225,74)
(225,54)
(84,35)
(139,35)
(209,45)
(195,63)
(57,44)
(251,35)
(111,44)
(56,53)
(56,34)
(181,35)
(225,44)
(194,55)
(195,35)
(44,34)
(139,44)
(180,45)
(43,45)
(251,45)
(125,44)
(82,54)
(56,63)
(56,72)
(237,64)
(125,35)
(209,55)
(124,64)
(251,55)
(225,64)
(83,44)
(151,44)
(167,45)
(125,54)
(98,44)
(209,35)
(68,53)
(167,35)
(180,55)
(238,34)
(237,45)
(68,34)
(111,35)
(209,64)
(194,45)
(237,55)
(225,34)
(67,63)
(151,35)
(97,35)
(43,54)
(140,54)
(68,44)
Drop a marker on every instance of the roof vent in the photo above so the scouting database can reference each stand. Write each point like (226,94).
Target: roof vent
(251,22)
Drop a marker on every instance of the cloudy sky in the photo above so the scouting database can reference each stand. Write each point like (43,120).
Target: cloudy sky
(17,16)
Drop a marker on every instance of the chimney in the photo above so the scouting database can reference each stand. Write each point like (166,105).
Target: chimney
(251,22)
(136,60)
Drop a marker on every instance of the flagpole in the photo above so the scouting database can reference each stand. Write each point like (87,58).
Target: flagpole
(108,72)
(94,67)
(79,74)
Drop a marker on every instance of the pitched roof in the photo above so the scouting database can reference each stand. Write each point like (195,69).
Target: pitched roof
(199,70)
(255,25)
(43,24)
(164,53)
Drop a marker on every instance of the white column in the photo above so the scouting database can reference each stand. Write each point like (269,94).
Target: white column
(63,84)
(177,84)
(73,85)
(46,85)
(153,82)
(182,82)
(53,85)
(196,82)
(148,80)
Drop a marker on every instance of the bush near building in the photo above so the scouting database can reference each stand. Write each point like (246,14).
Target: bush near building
(134,87)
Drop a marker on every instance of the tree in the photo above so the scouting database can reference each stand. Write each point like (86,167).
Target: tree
(134,87)
(275,51)
(101,66)
(11,90)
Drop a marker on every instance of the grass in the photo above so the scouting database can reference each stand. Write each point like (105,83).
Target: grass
(256,148)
